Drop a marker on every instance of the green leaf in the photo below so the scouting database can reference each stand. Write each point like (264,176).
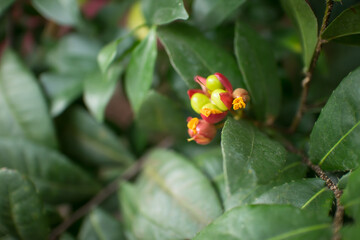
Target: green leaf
(170,188)
(192,54)
(303,16)
(160,115)
(21,210)
(62,90)
(98,89)
(99,225)
(250,157)
(56,178)
(311,194)
(292,170)
(351,197)
(64,12)
(350,232)
(272,222)
(107,55)
(23,109)
(335,138)
(4,4)
(160,12)
(129,207)
(139,73)
(257,64)
(210,14)
(345,25)
(88,141)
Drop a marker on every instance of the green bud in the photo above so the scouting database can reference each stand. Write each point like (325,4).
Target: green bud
(213,83)
(198,100)
(215,98)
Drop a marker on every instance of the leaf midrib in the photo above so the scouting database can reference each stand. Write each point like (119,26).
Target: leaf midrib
(300,231)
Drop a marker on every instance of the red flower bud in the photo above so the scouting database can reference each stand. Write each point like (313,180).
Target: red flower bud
(200,131)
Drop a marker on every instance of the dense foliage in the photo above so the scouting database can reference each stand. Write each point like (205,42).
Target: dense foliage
(96,95)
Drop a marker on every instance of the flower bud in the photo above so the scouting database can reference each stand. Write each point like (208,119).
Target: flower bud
(212,114)
(198,100)
(213,83)
(241,97)
(200,131)
(222,99)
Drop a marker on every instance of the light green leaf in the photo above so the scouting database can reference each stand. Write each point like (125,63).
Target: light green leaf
(139,73)
(4,4)
(160,12)
(170,188)
(98,89)
(99,225)
(107,55)
(192,54)
(64,12)
(62,90)
(88,141)
(21,210)
(345,25)
(250,157)
(129,207)
(210,13)
(351,196)
(23,109)
(303,16)
(271,222)
(56,178)
(257,64)
(335,138)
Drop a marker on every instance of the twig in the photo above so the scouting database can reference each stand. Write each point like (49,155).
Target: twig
(308,75)
(131,172)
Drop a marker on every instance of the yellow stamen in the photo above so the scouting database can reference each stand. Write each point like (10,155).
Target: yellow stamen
(208,111)
(190,139)
(238,103)
(192,124)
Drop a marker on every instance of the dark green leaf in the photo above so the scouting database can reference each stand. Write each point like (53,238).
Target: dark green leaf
(63,12)
(309,194)
(346,24)
(192,54)
(21,210)
(23,109)
(272,222)
(257,63)
(211,13)
(351,196)
(62,90)
(163,11)
(139,73)
(99,225)
(335,138)
(170,188)
(98,89)
(86,140)
(292,170)
(159,114)
(56,178)
(250,157)
(304,18)
(4,4)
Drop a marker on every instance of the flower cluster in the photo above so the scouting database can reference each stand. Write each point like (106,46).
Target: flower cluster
(213,101)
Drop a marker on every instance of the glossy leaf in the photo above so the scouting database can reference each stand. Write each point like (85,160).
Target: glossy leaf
(210,13)
(272,222)
(56,178)
(351,196)
(159,114)
(305,20)
(160,12)
(62,90)
(346,24)
(21,210)
(64,12)
(99,225)
(23,113)
(88,141)
(257,64)
(4,4)
(139,73)
(192,54)
(98,89)
(250,157)
(170,188)
(335,138)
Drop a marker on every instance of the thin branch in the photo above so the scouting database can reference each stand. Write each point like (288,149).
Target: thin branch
(308,75)
(112,187)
